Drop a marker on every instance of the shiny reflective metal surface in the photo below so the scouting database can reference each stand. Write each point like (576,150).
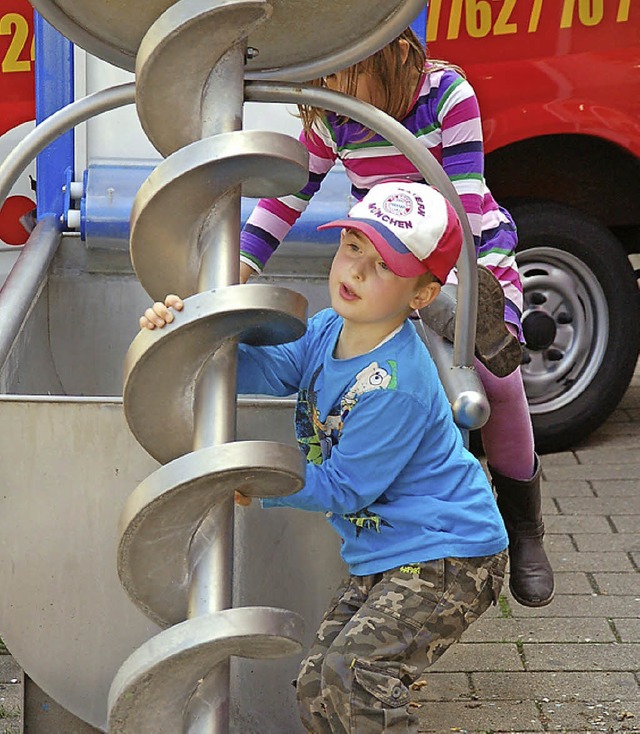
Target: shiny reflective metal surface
(152,688)
(161,367)
(197,583)
(301,40)
(564,304)
(462,385)
(161,516)
(172,205)
(64,614)
(173,106)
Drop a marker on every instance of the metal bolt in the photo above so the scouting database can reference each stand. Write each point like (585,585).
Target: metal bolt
(252,52)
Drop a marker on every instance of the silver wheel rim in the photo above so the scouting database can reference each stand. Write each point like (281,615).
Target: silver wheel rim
(564,299)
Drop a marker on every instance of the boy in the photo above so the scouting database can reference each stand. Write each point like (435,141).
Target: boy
(422,536)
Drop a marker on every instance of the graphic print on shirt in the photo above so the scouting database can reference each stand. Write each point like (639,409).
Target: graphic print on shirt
(365,520)
(317,438)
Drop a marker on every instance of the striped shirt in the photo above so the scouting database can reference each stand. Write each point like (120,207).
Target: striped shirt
(446,119)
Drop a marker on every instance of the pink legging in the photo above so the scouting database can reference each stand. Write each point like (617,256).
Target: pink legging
(508,434)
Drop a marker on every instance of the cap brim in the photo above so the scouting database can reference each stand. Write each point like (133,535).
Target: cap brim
(405,264)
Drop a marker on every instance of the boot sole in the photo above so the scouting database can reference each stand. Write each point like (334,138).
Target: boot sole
(529,603)
(496,347)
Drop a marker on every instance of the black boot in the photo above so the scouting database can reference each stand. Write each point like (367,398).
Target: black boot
(496,347)
(530,573)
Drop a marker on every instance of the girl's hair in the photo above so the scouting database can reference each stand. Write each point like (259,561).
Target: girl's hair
(395,78)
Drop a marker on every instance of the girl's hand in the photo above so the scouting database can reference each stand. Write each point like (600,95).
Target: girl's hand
(241,499)
(246,272)
(161,314)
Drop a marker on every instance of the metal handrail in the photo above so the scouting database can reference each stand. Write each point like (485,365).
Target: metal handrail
(28,274)
(60,122)
(25,281)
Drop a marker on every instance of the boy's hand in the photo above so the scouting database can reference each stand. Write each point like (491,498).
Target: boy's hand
(161,314)
(241,499)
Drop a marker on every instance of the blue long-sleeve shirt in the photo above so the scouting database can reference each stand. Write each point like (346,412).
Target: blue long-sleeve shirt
(385,461)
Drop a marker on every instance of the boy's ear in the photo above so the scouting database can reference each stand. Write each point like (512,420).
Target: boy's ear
(425,295)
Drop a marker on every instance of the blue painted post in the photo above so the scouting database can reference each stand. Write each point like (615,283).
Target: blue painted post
(54,90)
(419,25)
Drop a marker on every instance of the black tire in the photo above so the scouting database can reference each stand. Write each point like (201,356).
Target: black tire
(581,321)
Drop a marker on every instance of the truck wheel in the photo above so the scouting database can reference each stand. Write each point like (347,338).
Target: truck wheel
(580,321)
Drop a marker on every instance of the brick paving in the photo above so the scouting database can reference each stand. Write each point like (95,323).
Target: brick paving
(10,694)
(571,667)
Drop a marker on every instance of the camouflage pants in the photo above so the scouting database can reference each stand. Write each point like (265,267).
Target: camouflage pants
(381,632)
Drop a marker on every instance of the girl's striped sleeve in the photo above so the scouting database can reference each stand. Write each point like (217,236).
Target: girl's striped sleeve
(271,220)
(462,145)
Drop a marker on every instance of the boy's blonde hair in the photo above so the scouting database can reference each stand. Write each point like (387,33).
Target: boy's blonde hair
(396,78)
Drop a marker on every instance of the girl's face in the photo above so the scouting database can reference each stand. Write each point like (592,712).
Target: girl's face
(367,88)
(364,291)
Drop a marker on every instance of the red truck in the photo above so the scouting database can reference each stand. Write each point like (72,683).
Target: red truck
(558,83)
(559,87)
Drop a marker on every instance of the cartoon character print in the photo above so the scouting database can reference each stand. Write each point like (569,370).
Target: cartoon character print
(307,422)
(372,377)
(366,520)
(317,438)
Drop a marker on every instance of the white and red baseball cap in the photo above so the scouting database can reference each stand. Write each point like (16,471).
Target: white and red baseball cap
(413,227)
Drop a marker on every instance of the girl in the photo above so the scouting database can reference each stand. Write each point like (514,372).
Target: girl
(434,101)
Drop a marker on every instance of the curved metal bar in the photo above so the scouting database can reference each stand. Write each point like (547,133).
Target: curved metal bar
(19,292)
(124,94)
(395,133)
(60,122)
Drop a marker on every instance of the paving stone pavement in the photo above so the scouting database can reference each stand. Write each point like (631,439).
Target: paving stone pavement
(571,667)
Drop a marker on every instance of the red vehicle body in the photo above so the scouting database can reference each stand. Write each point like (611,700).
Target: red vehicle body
(558,83)
(559,88)
(17,101)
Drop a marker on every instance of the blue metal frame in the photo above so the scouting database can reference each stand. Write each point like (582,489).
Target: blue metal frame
(54,76)
(419,25)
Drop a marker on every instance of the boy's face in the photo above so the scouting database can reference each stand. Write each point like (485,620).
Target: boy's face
(364,290)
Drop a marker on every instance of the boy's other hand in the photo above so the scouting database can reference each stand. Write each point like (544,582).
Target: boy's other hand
(160,313)
(241,499)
